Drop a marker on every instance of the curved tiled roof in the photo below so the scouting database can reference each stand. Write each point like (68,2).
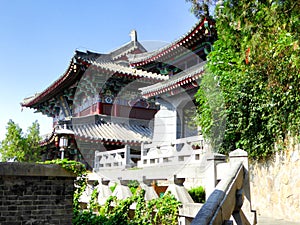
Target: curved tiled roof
(191,74)
(108,130)
(80,61)
(58,85)
(113,67)
(113,131)
(144,58)
(104,62)
(47,138)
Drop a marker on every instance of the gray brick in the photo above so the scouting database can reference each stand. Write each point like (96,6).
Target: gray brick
(48,200)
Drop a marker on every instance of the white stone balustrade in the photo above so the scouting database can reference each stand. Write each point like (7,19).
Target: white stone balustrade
(120,158)
(181,151)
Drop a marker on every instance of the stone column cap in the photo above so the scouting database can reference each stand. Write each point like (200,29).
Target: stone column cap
(216,156)
(176,180)
(238,153)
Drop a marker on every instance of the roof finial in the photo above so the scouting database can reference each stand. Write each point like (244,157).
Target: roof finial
(133,35)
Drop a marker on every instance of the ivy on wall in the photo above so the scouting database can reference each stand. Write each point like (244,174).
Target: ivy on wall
(80,183)
(252,83)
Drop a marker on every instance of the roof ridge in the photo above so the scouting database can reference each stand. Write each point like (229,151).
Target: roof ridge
(135,58)
(126,48)
(110,65)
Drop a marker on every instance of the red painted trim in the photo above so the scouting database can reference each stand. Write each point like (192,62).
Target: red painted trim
(172,47)
(174,86)
(99,108)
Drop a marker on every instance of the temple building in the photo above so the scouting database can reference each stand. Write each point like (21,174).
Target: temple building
(128,108)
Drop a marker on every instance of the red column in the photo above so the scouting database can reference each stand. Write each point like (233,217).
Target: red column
(99,108)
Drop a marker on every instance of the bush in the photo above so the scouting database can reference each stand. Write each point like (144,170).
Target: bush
(197,194)
(87,217)
(133,185)
(161,211)
(112,188)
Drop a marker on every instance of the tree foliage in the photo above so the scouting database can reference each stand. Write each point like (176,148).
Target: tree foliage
(202,7)
(32,148)
(255,64)
(25,148)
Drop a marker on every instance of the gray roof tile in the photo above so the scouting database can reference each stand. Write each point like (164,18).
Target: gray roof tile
(135,58)
(113,131)
(175,80)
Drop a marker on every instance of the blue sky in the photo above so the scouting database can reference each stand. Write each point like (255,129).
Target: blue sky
(39,37)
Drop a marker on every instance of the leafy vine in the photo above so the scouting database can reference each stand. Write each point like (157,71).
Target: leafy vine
(255,66)
(157,211)
(80,171)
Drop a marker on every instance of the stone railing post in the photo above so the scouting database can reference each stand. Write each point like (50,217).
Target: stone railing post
(146,184)
(104,191)
(238,156)
(127,156)
(96,161)
(211,173)
(178,190)
(122,190)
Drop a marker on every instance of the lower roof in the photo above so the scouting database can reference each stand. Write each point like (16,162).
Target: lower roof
(114,130)
(108,130)
(187,76)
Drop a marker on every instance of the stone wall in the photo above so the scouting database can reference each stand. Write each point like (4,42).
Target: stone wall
(35,194)
(275,186)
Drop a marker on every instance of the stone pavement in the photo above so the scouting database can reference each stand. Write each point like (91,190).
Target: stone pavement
(263,220)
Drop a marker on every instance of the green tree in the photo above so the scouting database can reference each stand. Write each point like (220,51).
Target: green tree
(33,138)
(255,64)
(15,144)
(202,7)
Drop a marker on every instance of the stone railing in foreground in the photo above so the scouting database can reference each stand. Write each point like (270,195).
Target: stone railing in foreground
(226,202)
(174,185)
(226,181)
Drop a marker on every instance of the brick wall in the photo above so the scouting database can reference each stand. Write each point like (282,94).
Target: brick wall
(35,194)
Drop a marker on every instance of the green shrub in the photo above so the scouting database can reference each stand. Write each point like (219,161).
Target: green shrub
(133,185)
(161,211)
(88,217)
(112,188)
(94,200)
(197,194)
